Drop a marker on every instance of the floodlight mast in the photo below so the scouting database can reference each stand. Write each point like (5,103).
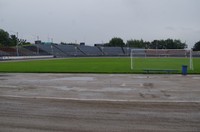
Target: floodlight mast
(52,51)
(17,45)
(37,39)
(38,51)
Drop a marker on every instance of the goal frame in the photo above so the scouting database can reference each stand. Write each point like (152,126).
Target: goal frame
(188,54)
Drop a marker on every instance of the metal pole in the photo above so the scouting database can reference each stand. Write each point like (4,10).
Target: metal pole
(131,59)
(17,45)
(38,50)
(75,51)
(52,52)
(191,61)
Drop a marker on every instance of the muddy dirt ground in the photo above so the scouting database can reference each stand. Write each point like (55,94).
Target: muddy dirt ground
(90,102)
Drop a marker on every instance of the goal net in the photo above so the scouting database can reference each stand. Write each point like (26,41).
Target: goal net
(160,59)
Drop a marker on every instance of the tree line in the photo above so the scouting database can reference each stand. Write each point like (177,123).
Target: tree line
(155,44)
(7,40)
(197,46)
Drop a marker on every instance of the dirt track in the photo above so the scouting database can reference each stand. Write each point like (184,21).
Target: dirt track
(67,102)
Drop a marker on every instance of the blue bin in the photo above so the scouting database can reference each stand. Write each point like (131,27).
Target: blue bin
(184,70)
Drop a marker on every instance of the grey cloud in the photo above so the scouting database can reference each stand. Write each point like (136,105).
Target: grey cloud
(95,21)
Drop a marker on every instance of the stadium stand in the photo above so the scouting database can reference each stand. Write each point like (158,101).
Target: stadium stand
(196,53)
(157,52)
(151,52)
(113,51)
(36,50)
(178,53)
(57,52)
(127,50)
(46,48)
(9,51)
(25,52)
(90,51)
(52,50)
(138,52)
(2,53)
(70,50)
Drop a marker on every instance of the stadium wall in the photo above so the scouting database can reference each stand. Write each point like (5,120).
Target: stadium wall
(25,57)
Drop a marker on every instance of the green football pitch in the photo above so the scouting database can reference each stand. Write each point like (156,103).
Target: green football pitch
(97,65)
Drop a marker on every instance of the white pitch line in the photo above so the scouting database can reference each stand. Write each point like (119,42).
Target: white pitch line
(96,100)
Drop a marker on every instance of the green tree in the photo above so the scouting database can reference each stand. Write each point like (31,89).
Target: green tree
(167,44)
(4,38)
(13,40)
(136,43)
(23,42)
(154,44)
(197,46)
(116,42)
(179,44)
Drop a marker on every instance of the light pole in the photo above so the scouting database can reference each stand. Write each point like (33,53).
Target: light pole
(52,52)
(17,45)
(38,51)
(37,46)
(102,48)
(75,51)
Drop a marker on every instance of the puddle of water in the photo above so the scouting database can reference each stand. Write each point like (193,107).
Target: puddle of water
(74,79)
(196,78)
(94,90)
(149,85)
(63,88)
(3,75)
(143,77)
(116,89)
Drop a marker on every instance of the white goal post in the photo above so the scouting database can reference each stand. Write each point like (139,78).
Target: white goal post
(162,53)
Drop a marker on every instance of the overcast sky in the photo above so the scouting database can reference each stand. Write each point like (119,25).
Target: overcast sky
(97,21)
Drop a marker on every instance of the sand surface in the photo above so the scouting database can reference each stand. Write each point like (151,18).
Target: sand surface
(90,102)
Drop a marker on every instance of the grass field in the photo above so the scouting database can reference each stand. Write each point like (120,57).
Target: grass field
(96,65)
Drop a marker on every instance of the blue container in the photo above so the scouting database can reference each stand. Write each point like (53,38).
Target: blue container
(184,70)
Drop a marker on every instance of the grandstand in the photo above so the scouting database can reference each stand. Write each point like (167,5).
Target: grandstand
(69,50)
(61,51)
(57,52)
(8,51)
(139,52)
(25,52)
(167,53)
(46,48)
(196,53)
(162,52)
(127,50)
(36,50)
(3,53)
(90,50)
(156,52)
(113,51)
